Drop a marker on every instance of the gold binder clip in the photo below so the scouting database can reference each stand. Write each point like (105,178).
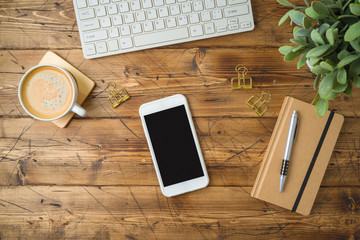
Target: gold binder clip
(116,96)
(241,81)
(258,104)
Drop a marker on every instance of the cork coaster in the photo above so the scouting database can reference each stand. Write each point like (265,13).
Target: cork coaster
(85,84)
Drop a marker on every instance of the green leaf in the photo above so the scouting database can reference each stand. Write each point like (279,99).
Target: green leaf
(343,54)
(302,61)
(296,28)
(283,19)
(297,41)
(296,17)
(335,24)
(330,36)
(320,8)
(302,33)
(314,61)
(317,81)
(290,56)
(299,48)
(306,2)
(356,81)
(326,86)
(348,90)
(332,95)
(321,107)
(286,3)
(341,76)
(353,32)
(323,28)
(319,70)
(355,44)
(311,13)
(338,88)
(354,68)
(318,51)
(306,22)
(347,60)
(285,49)
(316,37)
(326,66)
(355,9)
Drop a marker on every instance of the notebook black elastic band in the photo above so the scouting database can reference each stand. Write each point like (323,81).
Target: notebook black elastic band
(323,135)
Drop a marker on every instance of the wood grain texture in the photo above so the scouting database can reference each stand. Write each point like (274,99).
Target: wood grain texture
(95,179)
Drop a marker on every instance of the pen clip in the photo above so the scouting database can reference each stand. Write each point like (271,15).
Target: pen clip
(296,129)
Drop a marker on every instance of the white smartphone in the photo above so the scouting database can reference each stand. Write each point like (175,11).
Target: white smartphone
(174,146)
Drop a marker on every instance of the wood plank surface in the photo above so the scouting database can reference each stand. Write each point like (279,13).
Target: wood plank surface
(95,179)
(51,212)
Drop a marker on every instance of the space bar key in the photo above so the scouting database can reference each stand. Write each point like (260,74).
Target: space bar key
(159,37)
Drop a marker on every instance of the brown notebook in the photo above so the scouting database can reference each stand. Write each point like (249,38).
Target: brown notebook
(314,143)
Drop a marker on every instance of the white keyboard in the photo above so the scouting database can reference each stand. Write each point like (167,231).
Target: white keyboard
(109,27)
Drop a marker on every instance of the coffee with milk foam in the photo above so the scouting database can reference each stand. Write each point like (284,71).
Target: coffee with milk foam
(47,92)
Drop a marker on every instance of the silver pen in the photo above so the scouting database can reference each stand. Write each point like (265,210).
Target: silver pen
(289,142)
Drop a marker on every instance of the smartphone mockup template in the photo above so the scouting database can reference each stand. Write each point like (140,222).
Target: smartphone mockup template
(174,146)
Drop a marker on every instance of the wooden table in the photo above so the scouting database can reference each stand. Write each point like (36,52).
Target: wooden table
(95,179)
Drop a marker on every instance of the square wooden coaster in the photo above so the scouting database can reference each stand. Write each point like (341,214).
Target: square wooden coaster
(85,84)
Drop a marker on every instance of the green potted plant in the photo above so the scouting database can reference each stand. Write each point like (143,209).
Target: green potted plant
(327,38)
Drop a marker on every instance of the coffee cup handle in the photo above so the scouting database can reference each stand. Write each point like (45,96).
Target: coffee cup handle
(78,110)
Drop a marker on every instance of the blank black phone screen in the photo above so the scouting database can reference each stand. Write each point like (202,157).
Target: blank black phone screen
(174,145)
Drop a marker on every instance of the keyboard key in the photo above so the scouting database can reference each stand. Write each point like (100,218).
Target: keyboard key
(209,28)
(113,45)
(182,1)
(101,47)
(112,9)
(148,27)
(86,14)
(158,3)
(90,49)
(157,37)
(114,32)
(126,43)
(194,18)
(205,16)
(135,5)
(124,7)
(182,20)
(125,30)
(174,10)
(209,4)
(233,2)
(151,14)
(104,1)
(140,16)
(100,11)
(233,26)
(198,6)
(117,20)
(221,29)
(196,30)
(129,18)
(221,3)
(105,22)
(236,11)
(93,3)
(163,12)
(232,21)
(170,2)
(217,14)
(245,24)
(95,36)
(136,28)
(171,22)
(186,7)
(90,25)
(81,3)
(146,3)
(159,24)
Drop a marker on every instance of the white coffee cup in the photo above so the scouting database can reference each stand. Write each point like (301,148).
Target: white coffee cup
(72,106)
